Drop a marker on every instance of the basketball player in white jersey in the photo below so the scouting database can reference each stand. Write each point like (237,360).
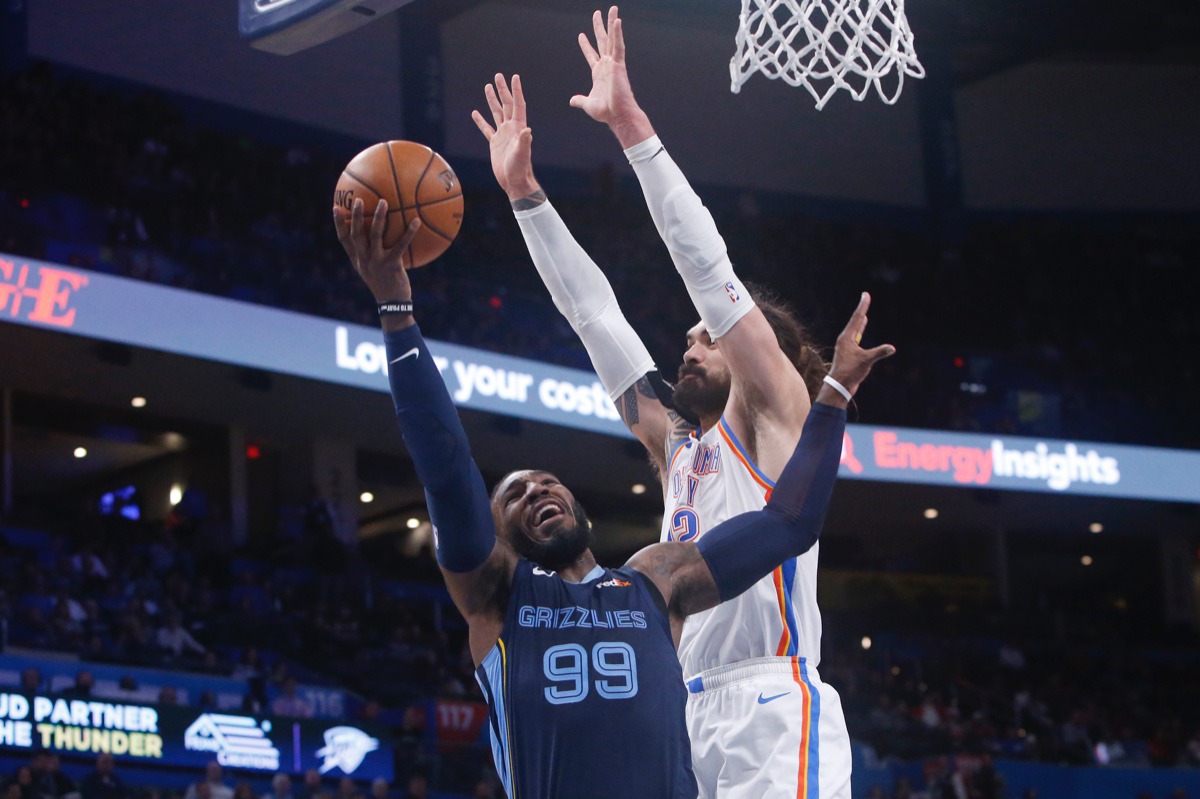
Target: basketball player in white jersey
(761,720)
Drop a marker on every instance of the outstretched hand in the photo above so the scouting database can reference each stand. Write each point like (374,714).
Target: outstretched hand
(851,363)
(381,268)
(611,99)
(510,142)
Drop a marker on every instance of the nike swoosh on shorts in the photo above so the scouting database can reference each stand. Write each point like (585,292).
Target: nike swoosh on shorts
(763,700)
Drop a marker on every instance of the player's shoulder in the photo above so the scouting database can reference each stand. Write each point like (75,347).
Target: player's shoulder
(627,577)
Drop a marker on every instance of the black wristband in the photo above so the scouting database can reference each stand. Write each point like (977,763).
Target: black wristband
(394,307)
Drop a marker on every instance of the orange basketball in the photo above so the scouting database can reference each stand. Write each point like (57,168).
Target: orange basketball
(415,181)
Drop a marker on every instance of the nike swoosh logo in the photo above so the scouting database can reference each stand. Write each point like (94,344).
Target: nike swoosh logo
(763,700)
(413,351)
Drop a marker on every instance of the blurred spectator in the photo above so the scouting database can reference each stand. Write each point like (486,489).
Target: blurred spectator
(347,789)
(312,784)
(49,781)
(103,782)
(289,704)
(173,638)
(23,782)
(1192,751)
(249,665)
(212,786)
(986,782)
(418,787)
(31,681)
(82,688)
(243,791)
(369,711)
(380,788)
(281,787)
(168,696)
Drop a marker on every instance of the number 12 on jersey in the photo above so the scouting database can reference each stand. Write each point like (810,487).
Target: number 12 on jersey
(566,665)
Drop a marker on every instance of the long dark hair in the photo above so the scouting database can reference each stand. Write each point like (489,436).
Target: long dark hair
(794,339)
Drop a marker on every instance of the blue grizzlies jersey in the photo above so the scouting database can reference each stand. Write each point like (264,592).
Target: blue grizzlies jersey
(585,693)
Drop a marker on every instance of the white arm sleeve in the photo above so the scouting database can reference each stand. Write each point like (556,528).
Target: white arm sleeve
(583,295)
(688,230)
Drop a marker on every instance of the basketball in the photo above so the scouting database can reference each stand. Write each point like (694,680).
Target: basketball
(415,181)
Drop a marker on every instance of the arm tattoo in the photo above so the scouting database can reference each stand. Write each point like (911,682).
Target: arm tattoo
(628,406)
(529,201)
(680,429)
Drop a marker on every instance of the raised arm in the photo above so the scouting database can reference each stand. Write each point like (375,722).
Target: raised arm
(579,289)
(737,553)
(763,378)
(477,566)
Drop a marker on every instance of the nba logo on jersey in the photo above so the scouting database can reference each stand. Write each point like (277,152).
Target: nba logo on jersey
(732,291)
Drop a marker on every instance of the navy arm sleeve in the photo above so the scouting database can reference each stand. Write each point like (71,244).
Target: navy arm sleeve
(459,508)
(741,551)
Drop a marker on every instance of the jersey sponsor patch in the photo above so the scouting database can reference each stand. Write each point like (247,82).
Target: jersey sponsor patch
(614,583)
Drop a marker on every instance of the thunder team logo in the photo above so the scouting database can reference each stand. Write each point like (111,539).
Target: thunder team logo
(345,748)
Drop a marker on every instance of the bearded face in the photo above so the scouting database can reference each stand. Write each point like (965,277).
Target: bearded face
(702,388)
(566,538)
(541,519)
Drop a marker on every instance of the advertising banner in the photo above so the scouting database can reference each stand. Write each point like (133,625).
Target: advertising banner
(968,460)
(155,735)
(141,314)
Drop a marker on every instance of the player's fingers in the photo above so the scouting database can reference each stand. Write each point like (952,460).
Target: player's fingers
(487,130)
(858,319)
(356,224)
(378,223)
(359,236)
(409,234)
(518,101)
(341,225)
(876,354)
(589,52)
(525,144)
(578,100)
(506,98)
(618,39)
(601,34)
(864,302)
(494,104)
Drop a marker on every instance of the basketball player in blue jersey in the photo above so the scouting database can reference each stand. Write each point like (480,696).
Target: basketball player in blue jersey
(578,662)
(762,721)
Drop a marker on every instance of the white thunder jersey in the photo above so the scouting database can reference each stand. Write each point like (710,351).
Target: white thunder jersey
(711,479)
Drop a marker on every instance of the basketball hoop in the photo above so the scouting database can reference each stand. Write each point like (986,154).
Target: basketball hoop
(826,45)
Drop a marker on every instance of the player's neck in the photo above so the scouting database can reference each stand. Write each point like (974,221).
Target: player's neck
(708,422)
(579,568)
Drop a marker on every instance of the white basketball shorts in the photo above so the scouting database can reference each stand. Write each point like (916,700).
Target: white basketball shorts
(767,727)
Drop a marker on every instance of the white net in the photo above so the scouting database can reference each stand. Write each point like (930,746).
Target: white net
(826,45)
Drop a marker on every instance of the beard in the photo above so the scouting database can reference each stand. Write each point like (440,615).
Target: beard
(569,538)
(700,397)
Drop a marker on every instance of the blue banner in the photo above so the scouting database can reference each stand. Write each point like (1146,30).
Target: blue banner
(156,736)
(141,314)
